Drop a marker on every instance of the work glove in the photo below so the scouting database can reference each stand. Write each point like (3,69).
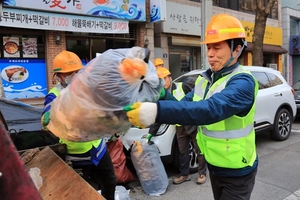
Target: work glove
(141,114)
(45,120)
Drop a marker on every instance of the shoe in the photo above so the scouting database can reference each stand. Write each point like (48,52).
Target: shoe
(201,179)
(181,179)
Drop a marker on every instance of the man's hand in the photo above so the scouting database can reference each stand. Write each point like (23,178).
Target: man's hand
(141,114)
(45,120)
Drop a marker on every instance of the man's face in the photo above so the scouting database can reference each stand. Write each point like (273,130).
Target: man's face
(218,54)
(168,81)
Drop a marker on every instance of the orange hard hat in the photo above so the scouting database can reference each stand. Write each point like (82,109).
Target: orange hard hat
(162,72)
(66,61)
(158,61)
(223,27)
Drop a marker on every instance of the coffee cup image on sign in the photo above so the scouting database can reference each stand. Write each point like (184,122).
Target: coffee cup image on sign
(15,74)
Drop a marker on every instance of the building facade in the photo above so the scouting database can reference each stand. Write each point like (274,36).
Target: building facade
(32,34)
(177,39)
(291,39)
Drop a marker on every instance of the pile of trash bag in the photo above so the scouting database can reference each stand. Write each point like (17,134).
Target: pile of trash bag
(91,107)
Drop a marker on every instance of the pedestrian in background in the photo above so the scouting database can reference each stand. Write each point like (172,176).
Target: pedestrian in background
(158,62)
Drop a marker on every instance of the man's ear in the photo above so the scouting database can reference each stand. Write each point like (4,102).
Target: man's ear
(237,49)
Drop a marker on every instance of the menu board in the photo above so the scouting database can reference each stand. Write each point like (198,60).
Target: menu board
(29,47)
(11,47)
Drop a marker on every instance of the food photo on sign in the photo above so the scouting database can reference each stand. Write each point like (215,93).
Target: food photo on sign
(29,47)
(11,47)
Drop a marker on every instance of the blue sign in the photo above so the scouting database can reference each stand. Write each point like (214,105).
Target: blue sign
(23,78)
(157,10)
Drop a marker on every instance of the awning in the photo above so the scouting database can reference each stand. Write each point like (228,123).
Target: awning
(268,48)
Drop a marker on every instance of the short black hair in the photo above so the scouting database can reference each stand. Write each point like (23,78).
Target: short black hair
(237,42)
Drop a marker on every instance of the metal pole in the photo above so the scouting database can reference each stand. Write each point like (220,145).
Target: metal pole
(206,14)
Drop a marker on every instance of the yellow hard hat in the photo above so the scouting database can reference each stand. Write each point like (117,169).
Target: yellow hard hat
(223,27)
(158,61)
(66,61)
(162,72)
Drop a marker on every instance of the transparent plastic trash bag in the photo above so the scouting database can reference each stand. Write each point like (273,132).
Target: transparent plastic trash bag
(91,107)
(149,168)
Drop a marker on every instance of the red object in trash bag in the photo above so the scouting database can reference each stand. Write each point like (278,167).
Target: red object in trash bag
(123,174)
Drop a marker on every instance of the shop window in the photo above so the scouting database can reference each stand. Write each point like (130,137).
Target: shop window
(22,46)
(80,47)
(87,48)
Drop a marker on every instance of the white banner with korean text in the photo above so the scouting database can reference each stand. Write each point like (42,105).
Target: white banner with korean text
(61,22)
(182,19)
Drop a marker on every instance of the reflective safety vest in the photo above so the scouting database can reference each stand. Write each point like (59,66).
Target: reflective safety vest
(77,147)
(178,93)
(229,143)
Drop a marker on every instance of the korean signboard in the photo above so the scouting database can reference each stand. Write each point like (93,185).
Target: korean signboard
(273,35)
(123,9)
(61,22)
(23,78)
(182,19)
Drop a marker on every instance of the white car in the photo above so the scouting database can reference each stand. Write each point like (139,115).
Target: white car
(275,113)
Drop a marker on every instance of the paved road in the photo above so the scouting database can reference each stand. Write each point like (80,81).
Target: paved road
(278,176)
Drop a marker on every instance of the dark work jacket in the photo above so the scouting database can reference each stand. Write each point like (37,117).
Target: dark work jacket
(186,87)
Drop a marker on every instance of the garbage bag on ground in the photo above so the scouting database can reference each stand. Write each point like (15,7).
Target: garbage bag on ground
(149,168)
(91,107)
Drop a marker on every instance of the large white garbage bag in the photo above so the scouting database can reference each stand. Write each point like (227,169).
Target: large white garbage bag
(91,107)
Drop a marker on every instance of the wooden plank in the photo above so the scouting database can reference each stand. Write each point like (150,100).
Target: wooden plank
(60,181)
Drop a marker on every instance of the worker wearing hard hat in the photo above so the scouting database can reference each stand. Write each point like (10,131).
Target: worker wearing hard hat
(93,153)
(158,62)
(164,73)
(222,105)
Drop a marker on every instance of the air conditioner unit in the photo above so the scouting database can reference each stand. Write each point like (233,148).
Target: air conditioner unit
(272,65)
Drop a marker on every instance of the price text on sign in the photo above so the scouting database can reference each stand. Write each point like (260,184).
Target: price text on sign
(52,21)
(120,25)
(60,21)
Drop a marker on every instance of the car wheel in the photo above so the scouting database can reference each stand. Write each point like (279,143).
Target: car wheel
(282,125)
(193,159)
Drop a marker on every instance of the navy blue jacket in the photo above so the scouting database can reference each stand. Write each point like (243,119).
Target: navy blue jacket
(235,99)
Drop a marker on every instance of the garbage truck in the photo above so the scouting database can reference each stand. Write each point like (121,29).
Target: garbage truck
(26,148)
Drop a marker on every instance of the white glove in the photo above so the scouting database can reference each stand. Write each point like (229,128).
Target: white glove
(141,114)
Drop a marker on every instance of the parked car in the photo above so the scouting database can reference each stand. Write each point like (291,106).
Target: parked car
(275,113)
(296,88)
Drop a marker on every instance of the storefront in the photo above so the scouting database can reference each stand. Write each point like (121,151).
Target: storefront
(271,46)
(178,38)
(33,34)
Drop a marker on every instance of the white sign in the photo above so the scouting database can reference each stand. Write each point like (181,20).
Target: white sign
(61,22)
(182,19)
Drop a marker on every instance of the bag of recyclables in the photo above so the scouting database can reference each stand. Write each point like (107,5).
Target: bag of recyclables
(91,107)
(149,168)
